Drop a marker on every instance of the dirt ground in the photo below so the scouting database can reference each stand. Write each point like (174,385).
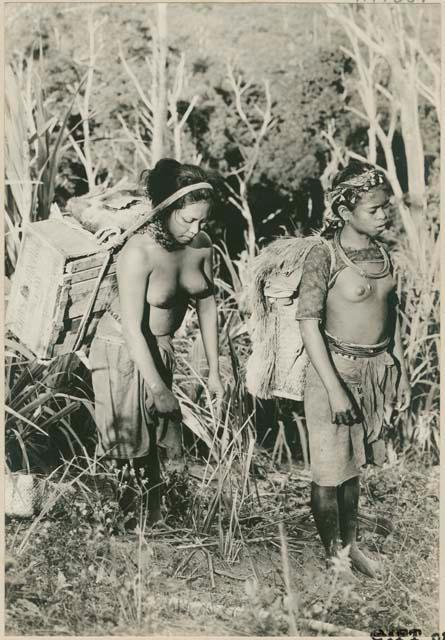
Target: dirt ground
(72,577)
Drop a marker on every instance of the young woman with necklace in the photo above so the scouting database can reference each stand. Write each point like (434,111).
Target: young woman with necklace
(348,320)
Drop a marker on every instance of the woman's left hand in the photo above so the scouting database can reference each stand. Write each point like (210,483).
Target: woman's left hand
(215,385)
(403,393)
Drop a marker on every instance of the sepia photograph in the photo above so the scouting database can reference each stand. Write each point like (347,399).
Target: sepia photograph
(222,319)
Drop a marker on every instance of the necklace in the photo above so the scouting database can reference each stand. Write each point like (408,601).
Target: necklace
(157,230)
(366,275)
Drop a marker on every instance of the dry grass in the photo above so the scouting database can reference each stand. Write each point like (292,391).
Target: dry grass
(68,573)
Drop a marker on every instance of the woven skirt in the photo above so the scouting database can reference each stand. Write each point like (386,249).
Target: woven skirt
(126,418)
(338,452)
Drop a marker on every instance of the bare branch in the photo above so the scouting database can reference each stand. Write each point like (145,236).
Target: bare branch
(188,111)
(145,99)
(236,86)
(384,91)
(358,113)
(139,146)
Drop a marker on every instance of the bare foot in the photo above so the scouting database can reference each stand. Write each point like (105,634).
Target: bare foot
(344,570)
(359,561)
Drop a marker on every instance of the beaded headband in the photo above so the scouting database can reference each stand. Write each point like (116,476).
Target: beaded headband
(349,191)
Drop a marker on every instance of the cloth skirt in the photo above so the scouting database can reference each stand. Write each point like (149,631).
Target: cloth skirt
(338,452)
(126,418)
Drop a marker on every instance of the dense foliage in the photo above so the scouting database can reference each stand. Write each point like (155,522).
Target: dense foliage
(296,48)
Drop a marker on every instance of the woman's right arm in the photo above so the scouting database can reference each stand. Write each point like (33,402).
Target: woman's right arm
(342,408)
(313,292)
(133,271)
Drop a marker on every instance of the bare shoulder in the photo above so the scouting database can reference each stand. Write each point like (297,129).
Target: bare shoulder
(137,255)
(201,241)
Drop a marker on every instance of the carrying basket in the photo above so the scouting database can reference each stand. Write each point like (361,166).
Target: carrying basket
(55,278)
(65,276)
(23,495)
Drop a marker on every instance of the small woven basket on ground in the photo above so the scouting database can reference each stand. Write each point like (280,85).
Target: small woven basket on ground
(23,495)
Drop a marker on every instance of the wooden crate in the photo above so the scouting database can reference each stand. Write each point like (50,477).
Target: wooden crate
(55,276)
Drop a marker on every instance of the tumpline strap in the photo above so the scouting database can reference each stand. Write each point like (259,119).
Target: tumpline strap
(119,239)
(91,301)
(112,241)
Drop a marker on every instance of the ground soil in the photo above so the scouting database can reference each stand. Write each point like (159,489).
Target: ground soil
(73,577)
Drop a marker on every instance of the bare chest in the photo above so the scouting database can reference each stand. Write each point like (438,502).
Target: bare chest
(352,287)
(177,275)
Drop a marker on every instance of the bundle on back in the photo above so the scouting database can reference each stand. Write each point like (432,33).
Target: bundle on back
(65,278)
(278,362)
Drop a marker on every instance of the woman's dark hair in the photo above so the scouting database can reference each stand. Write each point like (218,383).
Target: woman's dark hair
(168,176)
(343,194)
(353,170)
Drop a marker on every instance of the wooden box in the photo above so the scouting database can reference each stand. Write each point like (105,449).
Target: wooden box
(55,276)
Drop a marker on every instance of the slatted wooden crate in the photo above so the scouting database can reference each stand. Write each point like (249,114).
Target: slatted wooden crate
(55,276)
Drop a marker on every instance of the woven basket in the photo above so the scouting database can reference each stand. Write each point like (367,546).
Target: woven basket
(23,495)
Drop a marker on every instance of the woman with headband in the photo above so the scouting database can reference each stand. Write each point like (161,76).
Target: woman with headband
(348,321)
(161,268)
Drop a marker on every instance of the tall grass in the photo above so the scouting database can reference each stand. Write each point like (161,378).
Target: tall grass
(418,283)
(38,407)
(34,145)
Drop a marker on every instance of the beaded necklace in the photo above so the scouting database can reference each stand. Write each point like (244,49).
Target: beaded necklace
(158,230)
(366,275)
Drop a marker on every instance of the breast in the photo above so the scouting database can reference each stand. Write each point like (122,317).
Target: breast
(163,288)
(194,281)
(174,281)
(352,287)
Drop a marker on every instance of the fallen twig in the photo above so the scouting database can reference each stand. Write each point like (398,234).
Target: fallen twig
(197,545)
(231,576)
(211,572)
(327,627)
(182,565)
(196,608)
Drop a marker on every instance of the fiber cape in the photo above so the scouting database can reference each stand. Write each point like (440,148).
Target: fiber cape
(278,362)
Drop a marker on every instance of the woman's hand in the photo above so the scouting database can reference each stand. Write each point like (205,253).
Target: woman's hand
(215,385)
(166,402)
(343,410)
(403,393)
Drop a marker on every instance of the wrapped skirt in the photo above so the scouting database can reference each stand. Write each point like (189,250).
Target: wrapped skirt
(338,452)
(126,418)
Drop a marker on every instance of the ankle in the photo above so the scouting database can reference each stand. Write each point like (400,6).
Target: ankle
(333,549)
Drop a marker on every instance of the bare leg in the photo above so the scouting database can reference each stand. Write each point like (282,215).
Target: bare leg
(348,498)
(154,485)
(325,511)
(169,437)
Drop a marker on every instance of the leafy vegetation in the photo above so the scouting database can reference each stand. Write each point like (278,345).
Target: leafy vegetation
(238,554)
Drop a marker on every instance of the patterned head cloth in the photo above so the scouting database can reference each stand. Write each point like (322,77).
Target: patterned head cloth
(349,192)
